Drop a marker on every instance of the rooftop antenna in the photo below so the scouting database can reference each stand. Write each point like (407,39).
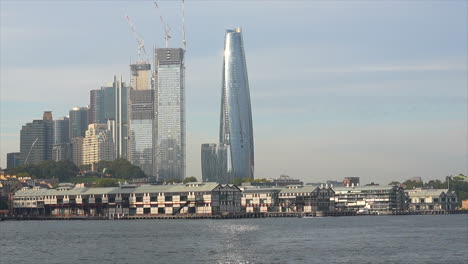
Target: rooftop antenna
(166,28)
(139,39)
(184,41)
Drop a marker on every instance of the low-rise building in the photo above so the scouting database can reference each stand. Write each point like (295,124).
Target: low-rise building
(306,199)
(259,200)
(191,198)
(432,199)
(382,199)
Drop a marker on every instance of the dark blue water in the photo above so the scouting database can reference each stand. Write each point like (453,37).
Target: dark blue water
(366,239)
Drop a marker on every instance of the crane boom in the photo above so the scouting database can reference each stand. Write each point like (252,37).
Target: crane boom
(139,39)
(166,28)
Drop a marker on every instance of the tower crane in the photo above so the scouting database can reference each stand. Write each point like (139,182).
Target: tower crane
(139,39)
(166,28)
(184,42)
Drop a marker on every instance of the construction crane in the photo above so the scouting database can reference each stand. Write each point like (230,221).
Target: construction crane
(166,28)
(184,42)
(139,39)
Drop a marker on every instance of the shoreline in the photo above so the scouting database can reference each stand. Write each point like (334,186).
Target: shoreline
(234,216)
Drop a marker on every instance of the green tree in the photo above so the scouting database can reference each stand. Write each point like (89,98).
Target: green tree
(393,183)
(173,181)
(190,179)
(108,182)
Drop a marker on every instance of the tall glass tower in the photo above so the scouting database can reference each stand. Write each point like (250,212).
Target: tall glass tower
(236,132)
(169,109)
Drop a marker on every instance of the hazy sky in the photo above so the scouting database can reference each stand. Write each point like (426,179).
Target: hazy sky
(338,88)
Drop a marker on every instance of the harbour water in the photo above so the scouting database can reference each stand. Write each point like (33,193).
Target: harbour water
(362,239)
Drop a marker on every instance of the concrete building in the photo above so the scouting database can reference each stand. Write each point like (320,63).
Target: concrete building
(140,76)
(97,144)
(432,199)
(36,140)
(77,150)
(381,199)
(130,200)
(351,181)
(14,160)
(306,199)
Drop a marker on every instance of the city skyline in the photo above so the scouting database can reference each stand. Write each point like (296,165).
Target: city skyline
(394,109)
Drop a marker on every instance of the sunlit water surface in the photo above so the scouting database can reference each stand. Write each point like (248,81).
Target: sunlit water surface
(364,239)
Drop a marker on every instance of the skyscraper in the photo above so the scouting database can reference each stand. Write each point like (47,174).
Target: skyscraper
(141,126)
(98,144)
(78,126)
(78,122)
(61,130)
(169,109)
(36,140)
(110,103)
(236,132)
(61,149)
(214,163)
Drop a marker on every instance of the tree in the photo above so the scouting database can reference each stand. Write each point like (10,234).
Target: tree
(173,181)
(62,170)
(393,183)
(190,179)
(119,168)
(107,183)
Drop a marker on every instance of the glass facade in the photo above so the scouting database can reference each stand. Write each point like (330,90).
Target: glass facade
(78,122)
(61,130)
(236,131)
(214,163)
(169,109)
(141,127)
(36,141)
(110,103)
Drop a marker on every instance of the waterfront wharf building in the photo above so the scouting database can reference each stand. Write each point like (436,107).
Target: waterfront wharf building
(36,140)
(236,131)
(169,112)
(130,200)
(431,199)
(381,199)
(260,200)
(306,199)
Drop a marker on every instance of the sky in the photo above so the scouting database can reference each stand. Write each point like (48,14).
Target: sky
(370,89)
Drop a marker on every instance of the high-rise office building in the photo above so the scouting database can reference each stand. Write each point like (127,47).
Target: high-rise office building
(169,108)
(214,163)
(78,122)
(236,132)
(36,140)
(141,119)
(61,149)
(77,150)
(97,144)
(61,130)
(110,103)
(141,126)
(14,160)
